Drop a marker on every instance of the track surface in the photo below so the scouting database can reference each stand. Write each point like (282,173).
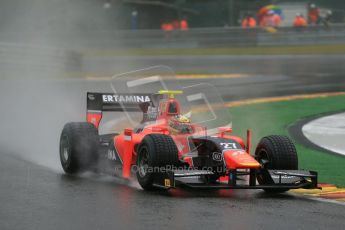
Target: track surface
(36,197)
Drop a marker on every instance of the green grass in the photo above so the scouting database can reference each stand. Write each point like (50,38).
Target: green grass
(267,50)
(274,118)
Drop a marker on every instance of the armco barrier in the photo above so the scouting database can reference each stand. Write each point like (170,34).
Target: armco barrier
(193,38)
(210,37)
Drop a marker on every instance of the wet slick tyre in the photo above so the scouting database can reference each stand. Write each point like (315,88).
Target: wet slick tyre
(276,152)
(155,150)
(78,147)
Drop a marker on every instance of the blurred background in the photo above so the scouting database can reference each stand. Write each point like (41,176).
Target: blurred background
(171,23)
(59,34)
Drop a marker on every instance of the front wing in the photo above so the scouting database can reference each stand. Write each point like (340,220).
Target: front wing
(276,179)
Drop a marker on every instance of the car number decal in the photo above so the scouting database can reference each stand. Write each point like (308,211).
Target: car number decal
(227,145)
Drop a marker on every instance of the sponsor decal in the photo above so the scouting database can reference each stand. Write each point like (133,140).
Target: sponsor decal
(217,156)
(283,177)
(167,183)
(108,98)
(128,138)
(91,97)
(238,153)
(152,113)
(111,155)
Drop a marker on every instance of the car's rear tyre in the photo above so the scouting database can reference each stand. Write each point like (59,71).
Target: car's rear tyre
(78,147)
(155,150)
(276,152)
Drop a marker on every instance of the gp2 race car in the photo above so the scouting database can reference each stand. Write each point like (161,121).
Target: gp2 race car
(167,150)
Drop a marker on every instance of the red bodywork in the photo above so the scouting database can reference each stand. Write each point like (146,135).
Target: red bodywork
(126,142)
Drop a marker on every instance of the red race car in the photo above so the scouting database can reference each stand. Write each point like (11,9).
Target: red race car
(176,136)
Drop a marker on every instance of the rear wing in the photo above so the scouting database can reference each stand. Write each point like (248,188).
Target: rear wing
(97,103)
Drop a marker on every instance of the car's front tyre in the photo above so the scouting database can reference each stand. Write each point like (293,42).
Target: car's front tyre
(276,152)
(155,150)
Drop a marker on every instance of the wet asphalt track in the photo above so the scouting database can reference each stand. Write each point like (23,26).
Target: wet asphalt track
(42,197)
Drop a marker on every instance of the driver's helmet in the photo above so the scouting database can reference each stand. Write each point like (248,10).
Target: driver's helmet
(180,124)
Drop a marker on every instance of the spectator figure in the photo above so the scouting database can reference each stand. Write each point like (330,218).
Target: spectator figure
(176,24)
(299,21)
(277,20)
(270,20)
(167,26)
(184,24)
(327,18)
(134,20)
(249,22)
(313,14)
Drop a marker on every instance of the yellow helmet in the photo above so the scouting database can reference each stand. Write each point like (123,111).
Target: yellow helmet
(180,124)
(182,119)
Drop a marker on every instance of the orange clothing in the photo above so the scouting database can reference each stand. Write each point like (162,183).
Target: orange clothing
(263,21)
(249,22)
(270,20)
(184,24)
(313,16)
(300,22)
(167,26)
(277,20)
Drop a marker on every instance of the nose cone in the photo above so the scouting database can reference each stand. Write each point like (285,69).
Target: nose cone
(239,159)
